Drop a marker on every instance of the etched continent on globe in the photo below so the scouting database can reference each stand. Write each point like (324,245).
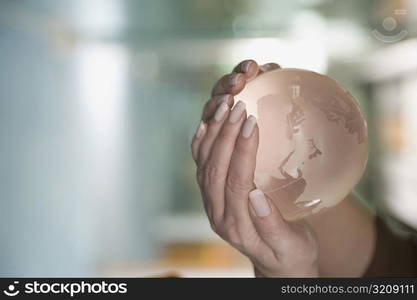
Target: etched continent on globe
(312,140)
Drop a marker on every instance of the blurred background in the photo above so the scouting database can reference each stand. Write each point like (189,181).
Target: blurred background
(99,100)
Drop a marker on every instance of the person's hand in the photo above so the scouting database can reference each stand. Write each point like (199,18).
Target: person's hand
(224,149)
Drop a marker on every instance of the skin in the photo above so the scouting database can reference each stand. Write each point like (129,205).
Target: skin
(326,244)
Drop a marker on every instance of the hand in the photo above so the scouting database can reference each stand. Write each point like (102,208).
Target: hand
(224,149)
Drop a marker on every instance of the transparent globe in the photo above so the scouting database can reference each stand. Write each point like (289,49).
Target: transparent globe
(313,144)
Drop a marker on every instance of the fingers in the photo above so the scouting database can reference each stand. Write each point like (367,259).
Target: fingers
(268,67)
(249,68)
(229,84)
(268,221)
(198,137)
(213,128)
(241,170)
(234,83)
(213,103)
(227,178)
(217,165)
(222,141)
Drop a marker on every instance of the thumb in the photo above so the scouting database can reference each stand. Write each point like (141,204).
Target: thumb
(268,221)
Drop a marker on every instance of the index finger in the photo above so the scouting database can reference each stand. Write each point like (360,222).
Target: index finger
(240,179)
(234,82)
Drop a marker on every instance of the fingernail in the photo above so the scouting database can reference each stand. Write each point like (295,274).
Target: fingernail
(269,67)
(200,129)
(237,112)
(246,65)
(221,111)
(222,98)
(232,80)
(248,126)
(259,203)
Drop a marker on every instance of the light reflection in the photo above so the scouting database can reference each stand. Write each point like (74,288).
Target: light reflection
(102,71)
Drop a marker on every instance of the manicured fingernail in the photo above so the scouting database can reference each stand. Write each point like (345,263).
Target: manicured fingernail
(222,98)
(259,203)
(232,80)
(248,126)
(221,111)
(246,65)
(200,130)
(237,112)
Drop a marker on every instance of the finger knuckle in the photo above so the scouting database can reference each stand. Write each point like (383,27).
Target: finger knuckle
(214,173)
(219,85)
(243,148)
(270,232)
(238,184)
(224,134)
(242,63)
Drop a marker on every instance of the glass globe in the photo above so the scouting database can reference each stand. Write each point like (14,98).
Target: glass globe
(313,144)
